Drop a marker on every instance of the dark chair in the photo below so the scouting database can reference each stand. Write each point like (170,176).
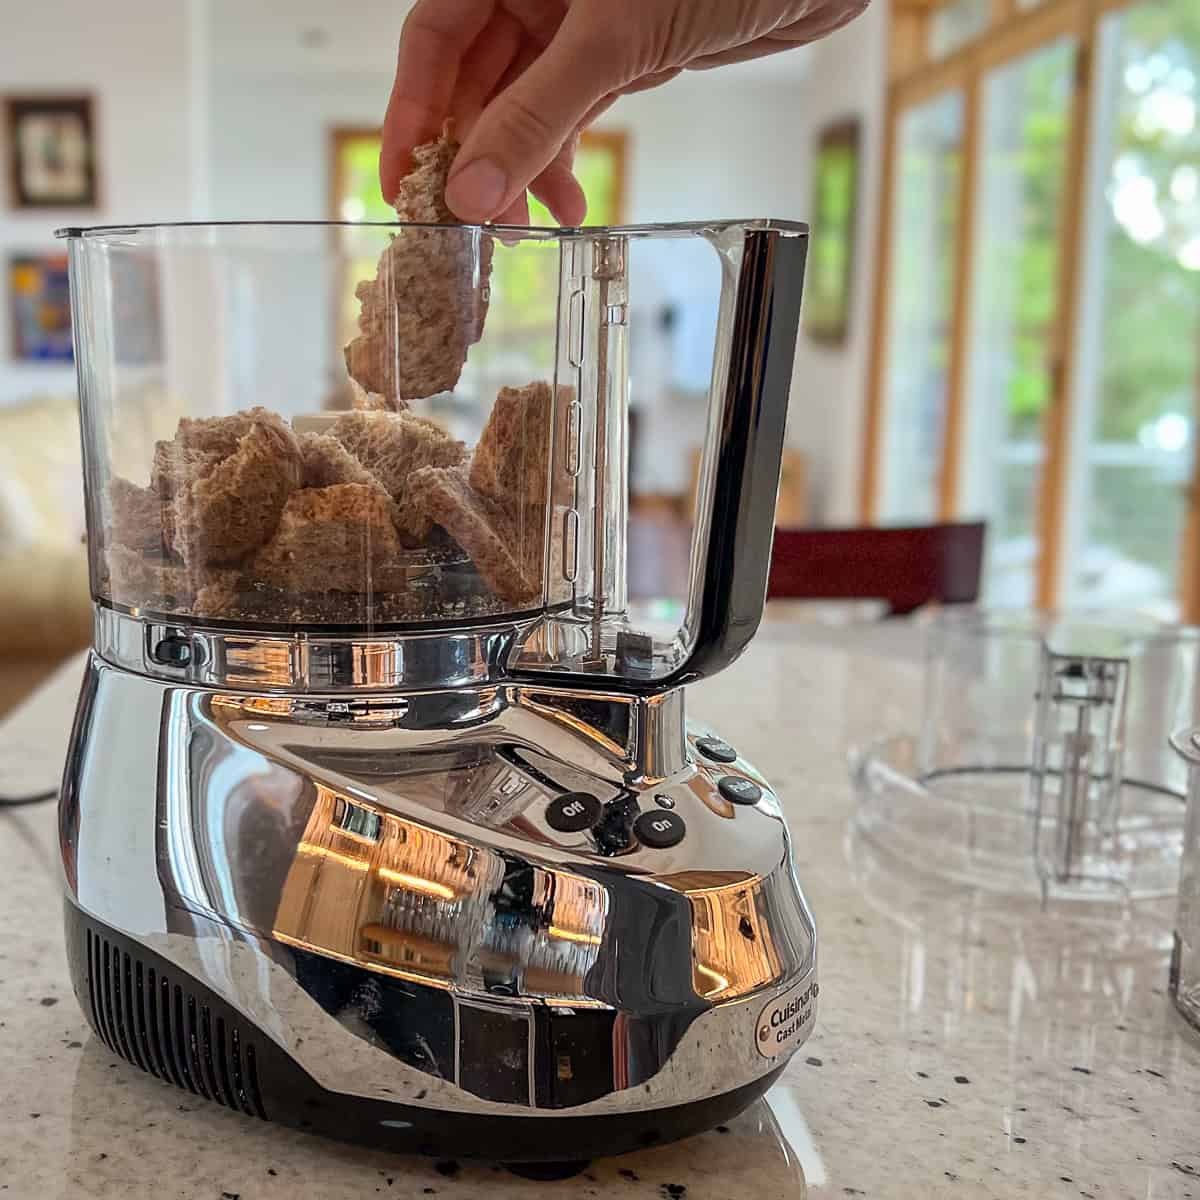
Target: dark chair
(904,567)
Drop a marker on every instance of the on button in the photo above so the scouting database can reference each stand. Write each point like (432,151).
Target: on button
(659,830)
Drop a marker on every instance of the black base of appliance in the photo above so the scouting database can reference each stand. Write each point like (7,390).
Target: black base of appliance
(156,1016)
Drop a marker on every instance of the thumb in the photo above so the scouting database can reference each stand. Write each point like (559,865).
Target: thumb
(519,133)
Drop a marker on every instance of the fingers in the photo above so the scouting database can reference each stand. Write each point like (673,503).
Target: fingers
(826,19)
(599,109)
(759,48)
(436,36)
(539,18)
(517,213)
(483,67)
(558,189)
(646,82)
(520,132)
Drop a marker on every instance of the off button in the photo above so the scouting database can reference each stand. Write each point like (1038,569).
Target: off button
(659,830)
(572,812)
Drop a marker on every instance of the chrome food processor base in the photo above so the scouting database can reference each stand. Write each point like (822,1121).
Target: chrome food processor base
(524,923)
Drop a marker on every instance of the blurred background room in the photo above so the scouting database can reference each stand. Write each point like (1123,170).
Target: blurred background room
(1002,318)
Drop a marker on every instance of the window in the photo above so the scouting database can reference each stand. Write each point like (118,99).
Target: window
(1037,339)
(923,239)
(1138,351)
(1013,305)
(955,24)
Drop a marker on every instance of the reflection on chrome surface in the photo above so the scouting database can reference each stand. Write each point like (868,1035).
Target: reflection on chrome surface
(413,902)
(392,862)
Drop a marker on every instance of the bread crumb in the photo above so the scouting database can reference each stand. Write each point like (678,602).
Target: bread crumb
(144,581)
(220,597)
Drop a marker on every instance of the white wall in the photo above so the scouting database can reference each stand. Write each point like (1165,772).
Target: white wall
(270,160)
(699,148)
(269,139)
(135,58)
(846,77)
(702,147)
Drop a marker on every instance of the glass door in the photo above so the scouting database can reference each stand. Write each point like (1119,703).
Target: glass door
(928,170)
(1138,350)
(1025,117)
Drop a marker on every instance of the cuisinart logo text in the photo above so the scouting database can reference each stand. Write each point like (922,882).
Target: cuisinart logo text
(785,1022)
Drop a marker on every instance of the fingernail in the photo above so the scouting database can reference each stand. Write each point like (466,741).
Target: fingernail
(477,191)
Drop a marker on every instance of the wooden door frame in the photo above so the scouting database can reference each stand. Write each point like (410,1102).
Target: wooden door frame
(338,136)
(616,141)
(913,80)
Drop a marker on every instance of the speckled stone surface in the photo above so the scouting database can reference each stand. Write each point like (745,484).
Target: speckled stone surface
(964,1048)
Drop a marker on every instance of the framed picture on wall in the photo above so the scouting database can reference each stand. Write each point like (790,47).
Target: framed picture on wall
(831,251)
(51,151)
(40,308)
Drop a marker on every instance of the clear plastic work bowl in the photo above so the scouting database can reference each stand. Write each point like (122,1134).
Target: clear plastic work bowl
(406,427)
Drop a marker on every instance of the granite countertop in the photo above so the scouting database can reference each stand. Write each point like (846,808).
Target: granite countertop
(962,1049)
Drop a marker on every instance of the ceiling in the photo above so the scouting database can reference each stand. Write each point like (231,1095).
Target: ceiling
(273,37)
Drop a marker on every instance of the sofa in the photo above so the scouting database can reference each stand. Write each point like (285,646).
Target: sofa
(45,612)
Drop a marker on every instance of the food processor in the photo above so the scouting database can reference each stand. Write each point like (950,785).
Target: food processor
(382,817)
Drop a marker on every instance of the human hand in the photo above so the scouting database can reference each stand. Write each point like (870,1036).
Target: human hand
(521,78)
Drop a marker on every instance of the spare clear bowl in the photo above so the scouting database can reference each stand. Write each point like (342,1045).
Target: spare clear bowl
(1042,763)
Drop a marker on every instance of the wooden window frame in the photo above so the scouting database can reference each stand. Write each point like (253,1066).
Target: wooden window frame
(616,141)
(914,78)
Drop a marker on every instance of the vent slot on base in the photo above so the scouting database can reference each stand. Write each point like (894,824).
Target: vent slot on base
(147,1017)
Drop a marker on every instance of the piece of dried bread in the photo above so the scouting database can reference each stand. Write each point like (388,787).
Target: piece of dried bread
(135,516)
(327,462)
(427,303)
(391,446)
(336,538)
(223,511)
(511,463)
(220,597)
(202,442)
(148,581)
(175,464)
(505,544)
